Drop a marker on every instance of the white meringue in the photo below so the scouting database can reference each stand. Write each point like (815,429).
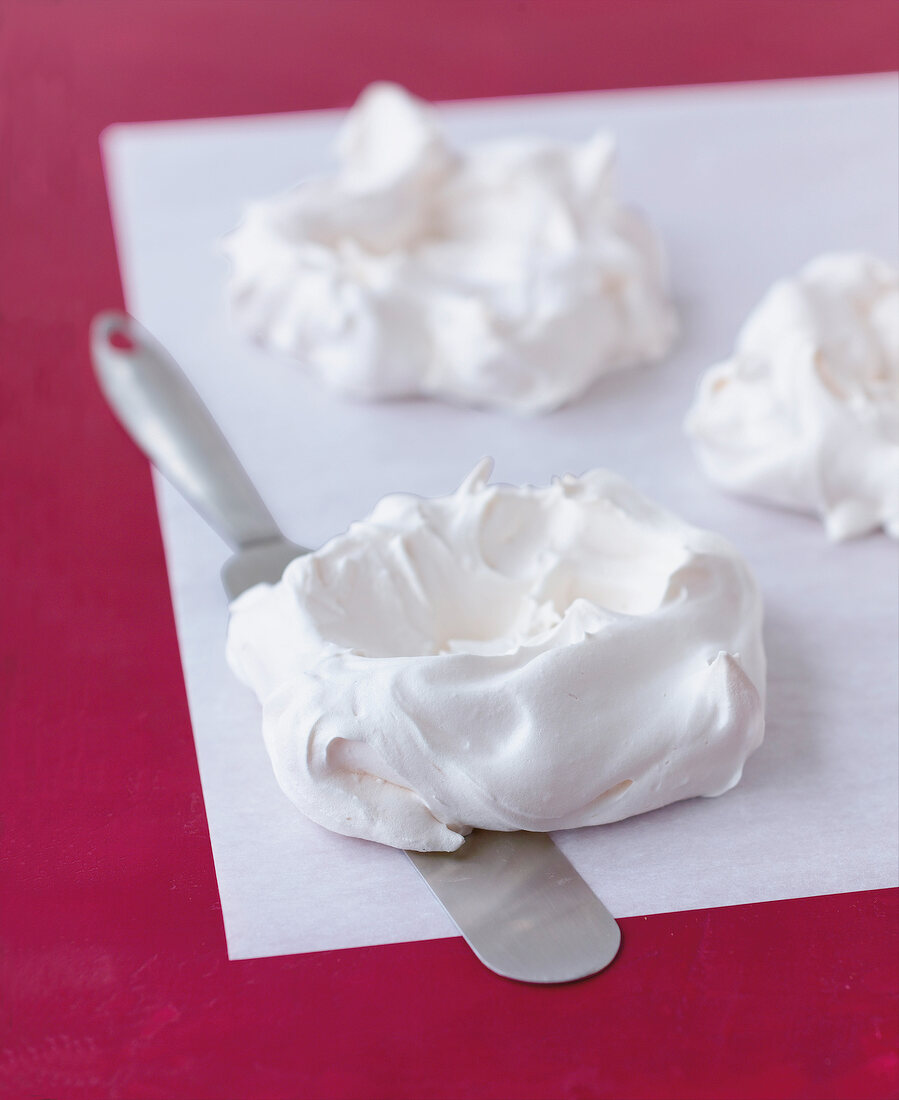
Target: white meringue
(505,658)
(806,413)
(507,276)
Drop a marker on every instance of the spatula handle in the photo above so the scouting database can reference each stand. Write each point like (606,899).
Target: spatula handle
(163,414)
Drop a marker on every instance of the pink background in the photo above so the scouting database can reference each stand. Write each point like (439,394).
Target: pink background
(115,981)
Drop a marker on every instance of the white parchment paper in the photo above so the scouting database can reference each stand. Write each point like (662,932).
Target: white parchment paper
(745,184)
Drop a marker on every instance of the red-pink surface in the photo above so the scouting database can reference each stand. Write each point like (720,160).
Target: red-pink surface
(115,981)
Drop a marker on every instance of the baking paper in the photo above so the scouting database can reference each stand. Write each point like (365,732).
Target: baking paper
(745,184)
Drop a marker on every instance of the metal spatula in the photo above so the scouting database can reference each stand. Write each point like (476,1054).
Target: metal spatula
(523,909)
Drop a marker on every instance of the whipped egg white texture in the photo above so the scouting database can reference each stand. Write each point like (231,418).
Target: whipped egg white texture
(505,658)
(806,413)
(507,275)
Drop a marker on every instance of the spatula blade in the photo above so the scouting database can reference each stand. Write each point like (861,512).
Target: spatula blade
(521,907)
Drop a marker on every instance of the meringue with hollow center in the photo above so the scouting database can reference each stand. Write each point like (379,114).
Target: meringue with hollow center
(507,275)
(805,414)
(505,658)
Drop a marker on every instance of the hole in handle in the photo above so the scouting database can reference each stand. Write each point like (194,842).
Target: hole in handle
(120,340)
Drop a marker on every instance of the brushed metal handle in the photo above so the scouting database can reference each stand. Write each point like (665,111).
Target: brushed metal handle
(165,417)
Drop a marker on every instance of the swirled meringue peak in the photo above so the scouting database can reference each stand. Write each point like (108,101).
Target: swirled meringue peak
(506,276)
(505,658)
(806,413)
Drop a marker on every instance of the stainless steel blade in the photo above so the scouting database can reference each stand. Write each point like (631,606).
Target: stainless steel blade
(262,562)
(523,909)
